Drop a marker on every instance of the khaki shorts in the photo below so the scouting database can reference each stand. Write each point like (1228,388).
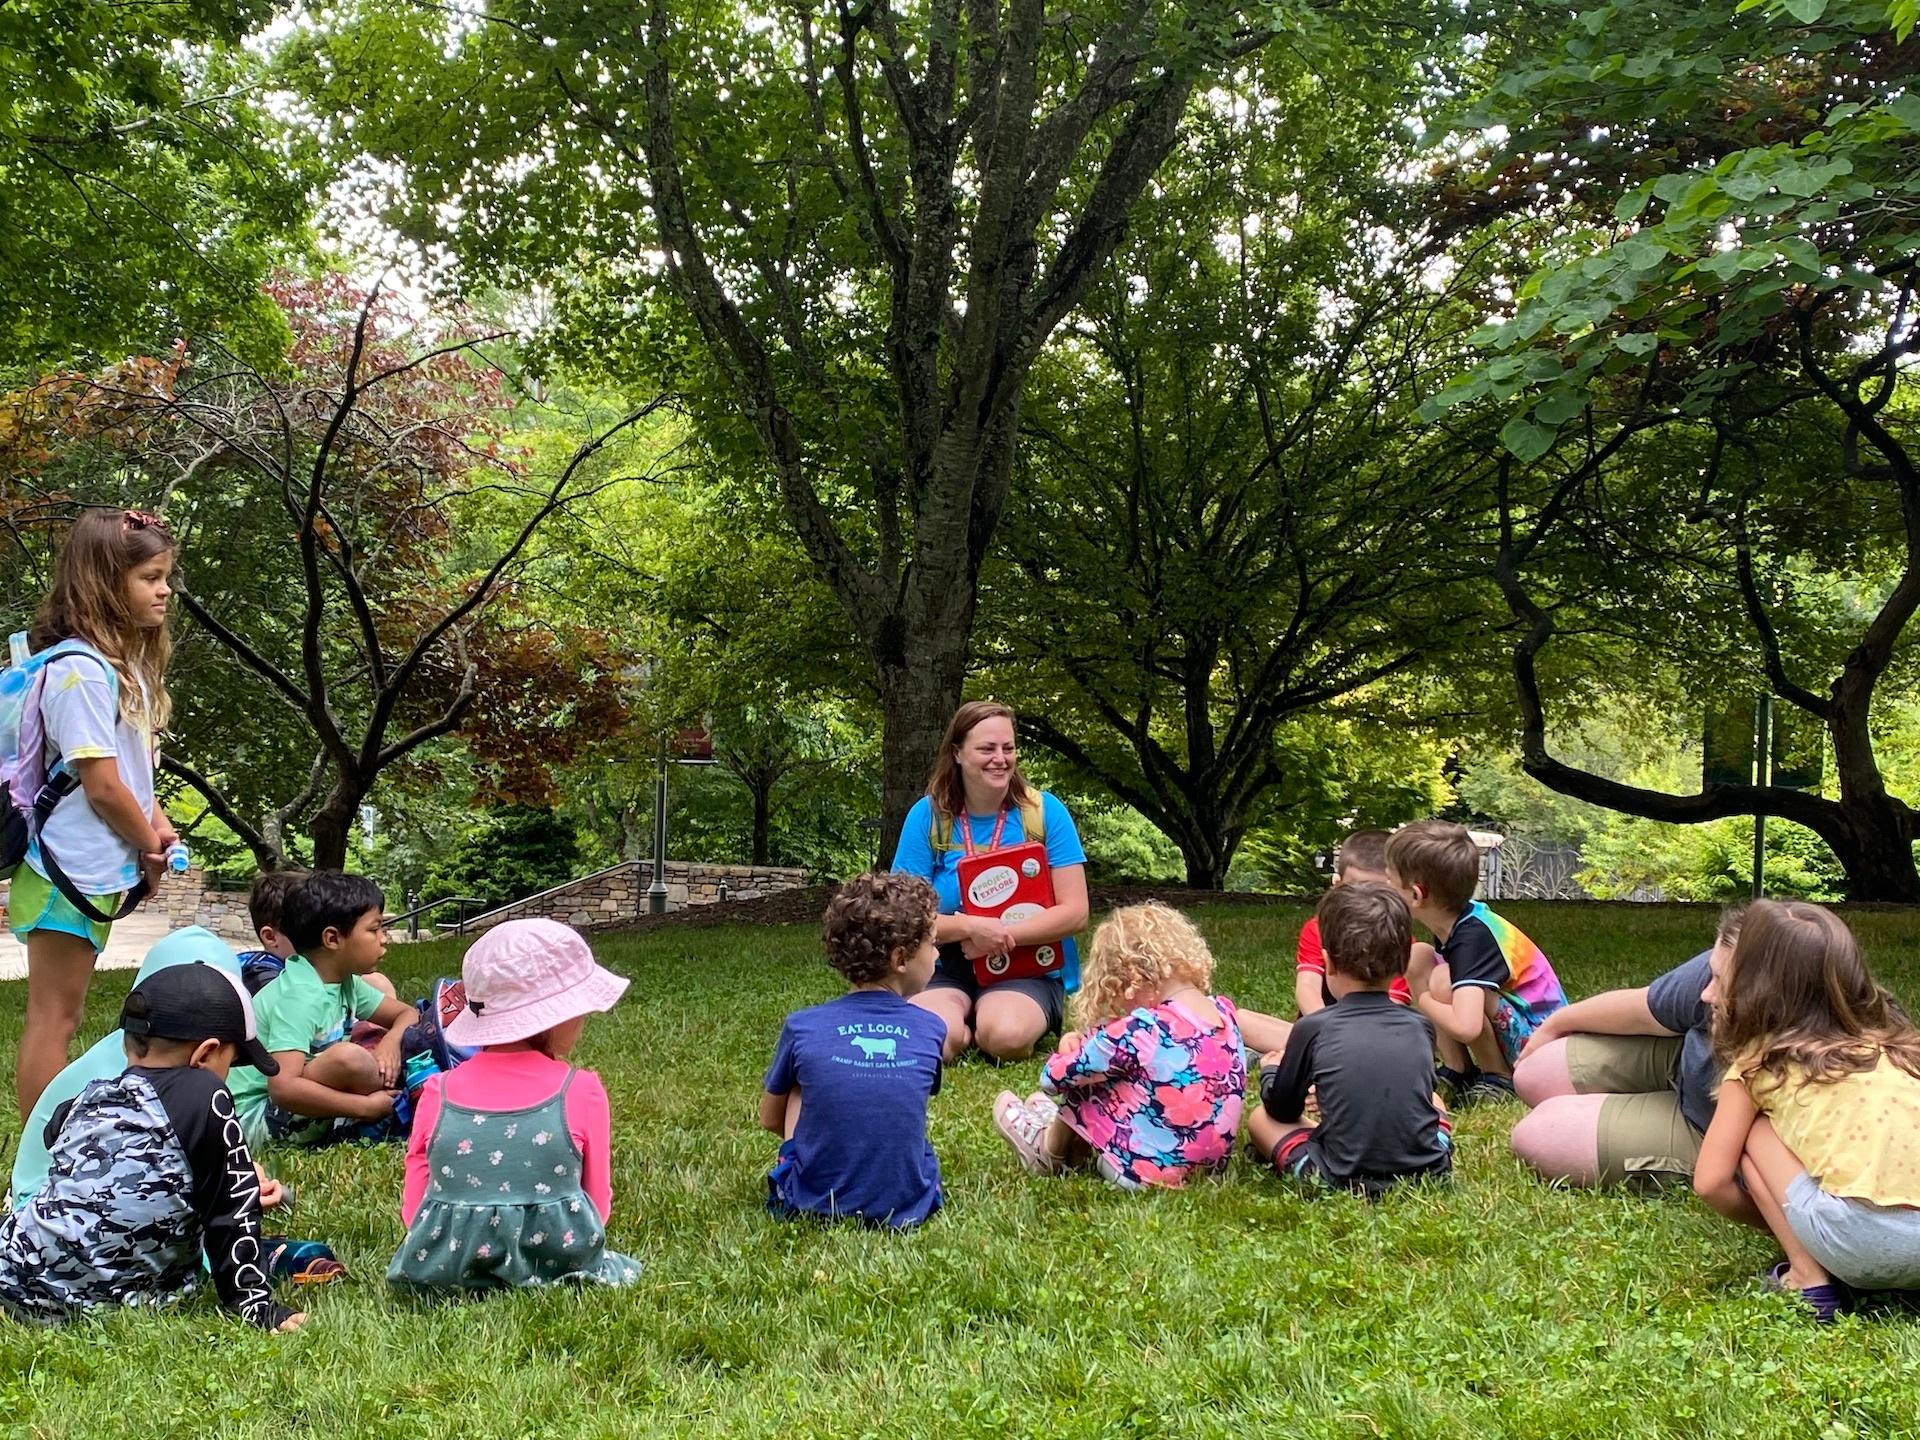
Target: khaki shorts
(1643,1137)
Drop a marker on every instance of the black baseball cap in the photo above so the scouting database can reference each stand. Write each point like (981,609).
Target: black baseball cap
(196,1002)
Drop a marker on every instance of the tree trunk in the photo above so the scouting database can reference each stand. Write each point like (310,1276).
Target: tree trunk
(762,788)
(920,687)
(332,826)
(1208,841)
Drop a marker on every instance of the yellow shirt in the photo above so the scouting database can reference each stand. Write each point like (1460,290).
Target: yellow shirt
(1858,1136)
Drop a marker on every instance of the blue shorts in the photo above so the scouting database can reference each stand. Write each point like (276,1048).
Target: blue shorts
(779,1182)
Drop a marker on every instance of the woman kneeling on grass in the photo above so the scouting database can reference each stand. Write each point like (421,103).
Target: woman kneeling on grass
(1819,1113)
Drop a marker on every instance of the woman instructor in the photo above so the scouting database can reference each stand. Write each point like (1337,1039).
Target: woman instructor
(976,801)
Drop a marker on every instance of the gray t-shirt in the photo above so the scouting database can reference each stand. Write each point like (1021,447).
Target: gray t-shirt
(1675,1002)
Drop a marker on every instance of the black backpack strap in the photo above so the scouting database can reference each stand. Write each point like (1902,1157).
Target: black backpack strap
(84,905)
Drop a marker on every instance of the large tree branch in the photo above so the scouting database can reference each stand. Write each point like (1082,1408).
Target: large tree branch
(223,809)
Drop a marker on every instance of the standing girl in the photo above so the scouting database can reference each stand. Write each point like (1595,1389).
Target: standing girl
(1151,1092)
(103,701)
(977,800)
(508,1168)
(1819,1113)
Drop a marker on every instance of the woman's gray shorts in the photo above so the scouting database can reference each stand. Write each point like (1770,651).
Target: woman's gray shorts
(1871,1247)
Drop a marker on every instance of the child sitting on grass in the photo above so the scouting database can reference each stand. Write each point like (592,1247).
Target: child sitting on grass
(149,1170)
(1815,1135)
(337,925)
(1360,860)
(1150,1087)
(848,1088)
(1368,1060)
(1491,985)
(266,906)
(509,1166)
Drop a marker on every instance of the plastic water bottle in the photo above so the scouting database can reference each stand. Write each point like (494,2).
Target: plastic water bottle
(177,858)
(419,1069)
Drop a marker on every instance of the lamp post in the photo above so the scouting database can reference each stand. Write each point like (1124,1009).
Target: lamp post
(657,892)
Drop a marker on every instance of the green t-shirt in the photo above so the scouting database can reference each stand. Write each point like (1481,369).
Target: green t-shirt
(299,1011)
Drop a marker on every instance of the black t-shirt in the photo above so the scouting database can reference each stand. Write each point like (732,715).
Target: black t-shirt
(1371,1062)
(1675,1002)
(225,1193)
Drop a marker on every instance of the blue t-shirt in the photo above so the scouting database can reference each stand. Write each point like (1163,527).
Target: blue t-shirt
(915,855)
(1674,999)
(865,1065)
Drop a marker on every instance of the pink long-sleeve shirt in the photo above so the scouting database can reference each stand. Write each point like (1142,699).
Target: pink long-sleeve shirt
(497,1080)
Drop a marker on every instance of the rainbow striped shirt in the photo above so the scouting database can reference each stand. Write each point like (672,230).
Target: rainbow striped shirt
(1485,950)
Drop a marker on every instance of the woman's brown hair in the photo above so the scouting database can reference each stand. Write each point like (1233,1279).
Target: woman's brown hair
(88,602)
(1796,996)
(944,785)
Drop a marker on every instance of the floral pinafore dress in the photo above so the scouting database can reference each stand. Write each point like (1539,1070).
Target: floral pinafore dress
(505,1206)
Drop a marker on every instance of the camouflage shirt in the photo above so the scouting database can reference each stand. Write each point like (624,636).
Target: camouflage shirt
(149,1169)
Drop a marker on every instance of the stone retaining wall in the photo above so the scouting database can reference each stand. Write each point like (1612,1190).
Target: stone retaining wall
(186,900)
(616,896)
(611,897)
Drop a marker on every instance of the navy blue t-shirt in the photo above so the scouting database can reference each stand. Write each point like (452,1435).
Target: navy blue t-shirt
(866,1065)
(1675,1002)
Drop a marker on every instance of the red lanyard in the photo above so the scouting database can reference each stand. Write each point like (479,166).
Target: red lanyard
(966,831)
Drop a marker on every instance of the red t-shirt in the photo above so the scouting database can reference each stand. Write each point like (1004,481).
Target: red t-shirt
(1310,958)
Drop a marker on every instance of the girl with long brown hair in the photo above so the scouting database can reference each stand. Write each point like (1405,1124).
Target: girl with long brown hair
(977,801)
(1819,1111)
(103,703)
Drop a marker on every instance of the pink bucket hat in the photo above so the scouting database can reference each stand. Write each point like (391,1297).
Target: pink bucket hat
(525,977)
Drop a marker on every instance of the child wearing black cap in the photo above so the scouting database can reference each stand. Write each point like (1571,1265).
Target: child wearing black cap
(150,1169)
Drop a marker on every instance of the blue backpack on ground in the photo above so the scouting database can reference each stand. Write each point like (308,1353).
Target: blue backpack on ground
(28,790)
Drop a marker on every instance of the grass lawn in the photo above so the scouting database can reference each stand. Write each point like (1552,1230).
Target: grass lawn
(1055,1308)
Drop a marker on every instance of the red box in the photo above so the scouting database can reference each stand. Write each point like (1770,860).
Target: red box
(1011,884)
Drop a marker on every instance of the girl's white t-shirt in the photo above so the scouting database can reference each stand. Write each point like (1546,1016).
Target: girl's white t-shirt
(82,723)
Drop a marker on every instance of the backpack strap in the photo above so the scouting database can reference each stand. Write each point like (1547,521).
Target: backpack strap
(1033,824)
(1033,818)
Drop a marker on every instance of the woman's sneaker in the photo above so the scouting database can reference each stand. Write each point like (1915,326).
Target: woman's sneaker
(1026,1132)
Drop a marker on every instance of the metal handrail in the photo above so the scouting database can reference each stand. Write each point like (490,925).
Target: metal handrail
(411,919)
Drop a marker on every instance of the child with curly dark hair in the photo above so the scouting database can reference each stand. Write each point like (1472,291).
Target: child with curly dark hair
(865,1066)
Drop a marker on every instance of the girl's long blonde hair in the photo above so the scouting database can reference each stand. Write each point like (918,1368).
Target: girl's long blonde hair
(88,602)
(1796,996)
(1139,950)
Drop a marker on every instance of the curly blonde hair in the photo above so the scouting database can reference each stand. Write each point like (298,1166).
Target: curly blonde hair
(1140,949)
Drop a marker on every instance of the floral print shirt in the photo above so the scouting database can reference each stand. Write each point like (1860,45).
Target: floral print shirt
(1157,1092)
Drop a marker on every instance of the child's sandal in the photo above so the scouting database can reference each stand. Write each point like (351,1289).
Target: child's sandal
(1026,1133)
(1825,1301)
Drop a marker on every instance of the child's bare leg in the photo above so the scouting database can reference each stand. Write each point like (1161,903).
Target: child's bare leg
(1769,1167)
(1067,1145)
(1486,1051)
(59,969)
(346,1067)
(1263,1032)
(382,984)
(1267,1133)
(952,1006)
